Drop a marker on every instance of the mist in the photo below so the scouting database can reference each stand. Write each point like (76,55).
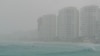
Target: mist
(21,15)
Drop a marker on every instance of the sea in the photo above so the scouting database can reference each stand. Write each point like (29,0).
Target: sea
(48,49)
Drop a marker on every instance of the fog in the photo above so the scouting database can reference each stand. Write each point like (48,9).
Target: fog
(21,15)
(16,15)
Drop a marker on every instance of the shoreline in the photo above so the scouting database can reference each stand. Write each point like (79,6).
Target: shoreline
(41,42)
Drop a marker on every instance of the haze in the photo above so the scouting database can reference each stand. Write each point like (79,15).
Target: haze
(21,15)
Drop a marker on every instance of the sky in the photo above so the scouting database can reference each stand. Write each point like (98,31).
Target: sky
(22,15)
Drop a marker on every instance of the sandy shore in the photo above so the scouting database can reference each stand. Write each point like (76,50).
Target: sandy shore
(54,43)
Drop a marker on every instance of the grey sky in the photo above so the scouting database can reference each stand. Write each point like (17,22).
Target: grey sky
(16,15)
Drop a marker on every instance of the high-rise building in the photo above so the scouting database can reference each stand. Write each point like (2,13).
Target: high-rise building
(47,27)
(88,17)
(98,27)
(68,24)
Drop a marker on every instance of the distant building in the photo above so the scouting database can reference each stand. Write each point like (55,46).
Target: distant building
(68,24)
(98,27)
(88,17)
(47,27)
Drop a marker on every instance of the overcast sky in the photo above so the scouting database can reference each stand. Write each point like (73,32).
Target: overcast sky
(21,15)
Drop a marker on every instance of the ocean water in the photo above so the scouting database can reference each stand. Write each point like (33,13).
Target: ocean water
(48,49)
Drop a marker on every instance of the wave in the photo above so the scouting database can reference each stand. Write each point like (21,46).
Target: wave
(87,50)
